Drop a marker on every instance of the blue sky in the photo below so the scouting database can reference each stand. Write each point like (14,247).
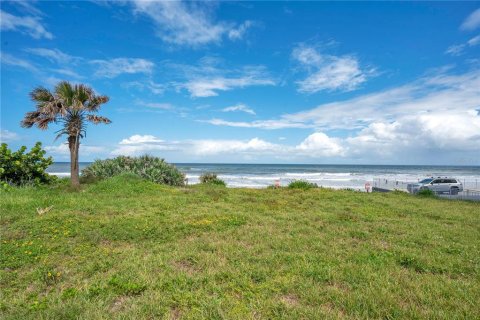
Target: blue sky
(254,82)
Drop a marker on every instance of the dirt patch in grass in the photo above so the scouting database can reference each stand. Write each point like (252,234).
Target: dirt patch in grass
(339,286)
(329,308)
(175,314)
(290,300)
(118,304)
(187,266)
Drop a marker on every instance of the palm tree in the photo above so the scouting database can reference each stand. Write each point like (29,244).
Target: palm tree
(71,106)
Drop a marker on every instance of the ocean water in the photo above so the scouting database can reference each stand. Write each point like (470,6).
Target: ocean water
(332,176)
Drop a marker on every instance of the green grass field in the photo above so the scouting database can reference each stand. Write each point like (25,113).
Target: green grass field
(129,249)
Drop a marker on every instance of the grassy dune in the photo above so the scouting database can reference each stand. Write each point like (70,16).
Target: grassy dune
(126,248)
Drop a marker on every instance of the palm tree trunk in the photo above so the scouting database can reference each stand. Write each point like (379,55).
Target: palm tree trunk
(73,145)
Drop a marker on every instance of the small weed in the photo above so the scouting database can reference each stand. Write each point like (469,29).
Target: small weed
(126,287)
(69,293)
(49,276)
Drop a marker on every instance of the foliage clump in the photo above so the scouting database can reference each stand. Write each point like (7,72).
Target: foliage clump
(147,167)
(426,193)
(302,184)
(211,178)
(18,168)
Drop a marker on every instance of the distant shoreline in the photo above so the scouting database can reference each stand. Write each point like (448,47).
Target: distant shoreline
(306,164)
(329,176)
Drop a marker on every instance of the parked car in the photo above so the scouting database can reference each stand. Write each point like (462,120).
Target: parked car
(437,185)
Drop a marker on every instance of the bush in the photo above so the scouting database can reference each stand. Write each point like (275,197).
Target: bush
(150,168)
(302,184)
(211,178)
(272,186)
(426,193)
(19,168)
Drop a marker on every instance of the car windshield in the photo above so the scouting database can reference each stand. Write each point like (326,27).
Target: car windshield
(426,181)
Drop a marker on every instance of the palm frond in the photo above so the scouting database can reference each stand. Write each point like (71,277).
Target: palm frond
(82,96)
(64,93)
(41,120)
(98,119)
(41,95)
(30,119)
(43,123)
(96,102)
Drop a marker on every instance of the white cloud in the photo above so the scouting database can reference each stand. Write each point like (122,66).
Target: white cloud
(54,55)
(17,62)
(114,67)
(188,23)
(438,133)
(208,87)
(29,7)
(154,106)
(307,56)
(474,41)
(458,49)
(455,50)
(44,75)
(140,139)
(472,21)
(155,88)
(142,144)
(137,150)
(30,25)
(68,73)
(252,146)
(212,74)
(239,107)
(159,105)
(208,80)
(328,72)
(316,145)
(238,33)
(430,94)
(7,136)
(261,124)
(319,144)
(85,150)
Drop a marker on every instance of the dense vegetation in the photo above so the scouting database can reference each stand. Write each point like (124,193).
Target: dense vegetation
(147,167)
(302,184)
(426,193)
(125,248)
(212,178)
(18,168)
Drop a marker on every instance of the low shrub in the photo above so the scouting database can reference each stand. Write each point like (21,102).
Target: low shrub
(147,167)
(426,193)
(211,178)
(302,184)
(272,186)
(19,168)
